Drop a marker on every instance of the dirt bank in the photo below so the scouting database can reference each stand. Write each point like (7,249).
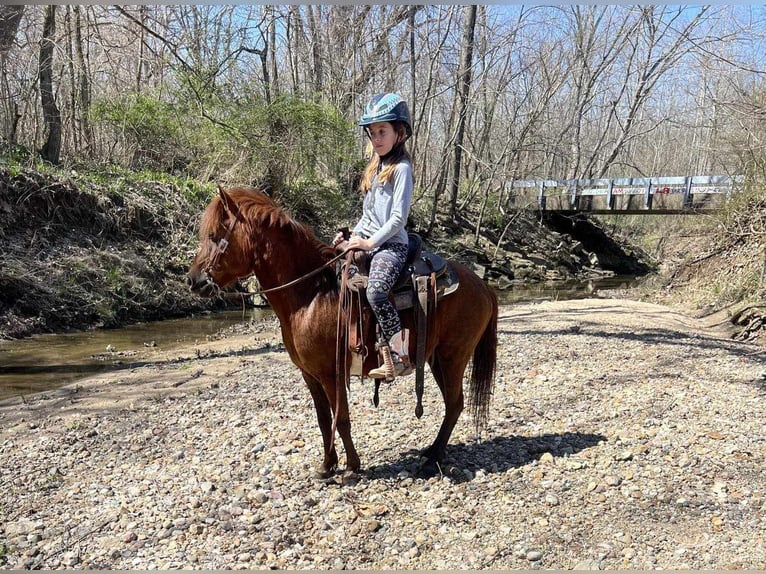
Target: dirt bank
(621,435)
(78,252)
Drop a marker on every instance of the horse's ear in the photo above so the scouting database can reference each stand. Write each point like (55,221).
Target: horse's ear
(228,203)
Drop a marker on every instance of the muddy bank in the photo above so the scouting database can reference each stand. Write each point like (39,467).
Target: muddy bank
(621,435)
(76,254)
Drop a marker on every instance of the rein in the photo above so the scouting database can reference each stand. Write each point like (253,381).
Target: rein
(289,284)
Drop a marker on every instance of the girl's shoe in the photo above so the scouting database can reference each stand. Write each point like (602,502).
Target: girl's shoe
(399,367)
(396,362)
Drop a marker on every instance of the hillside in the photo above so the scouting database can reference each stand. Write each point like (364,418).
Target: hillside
(712,266)
(76,254)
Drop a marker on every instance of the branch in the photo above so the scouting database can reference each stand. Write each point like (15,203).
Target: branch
(161,38)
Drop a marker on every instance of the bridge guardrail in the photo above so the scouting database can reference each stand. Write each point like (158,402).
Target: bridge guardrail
(609,190)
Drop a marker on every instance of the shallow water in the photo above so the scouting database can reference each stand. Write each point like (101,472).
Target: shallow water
(563,290)
(44,362)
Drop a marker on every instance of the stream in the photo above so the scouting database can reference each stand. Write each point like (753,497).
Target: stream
(44,362)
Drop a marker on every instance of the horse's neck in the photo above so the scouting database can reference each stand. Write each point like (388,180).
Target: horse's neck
(285,258)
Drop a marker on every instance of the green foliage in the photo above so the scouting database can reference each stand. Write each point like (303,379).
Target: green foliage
(152,129)
(289,140)
(420,210)
(323,205)
(117,181)
(247,140)
(314,135)
(18,158)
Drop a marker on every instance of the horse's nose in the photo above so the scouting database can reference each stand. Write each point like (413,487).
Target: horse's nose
(201,283)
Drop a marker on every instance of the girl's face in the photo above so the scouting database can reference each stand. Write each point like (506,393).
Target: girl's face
(383,137)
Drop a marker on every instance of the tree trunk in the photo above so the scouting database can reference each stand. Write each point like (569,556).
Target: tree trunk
(464,87)
(83,91)
(272,34)
(51,150)
(316,54)
(413,102)
(10,16)
(141,47)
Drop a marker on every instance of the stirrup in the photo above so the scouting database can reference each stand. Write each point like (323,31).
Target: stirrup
(404,364)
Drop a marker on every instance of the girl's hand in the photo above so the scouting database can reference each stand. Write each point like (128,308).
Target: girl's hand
(359,242)
(337,239)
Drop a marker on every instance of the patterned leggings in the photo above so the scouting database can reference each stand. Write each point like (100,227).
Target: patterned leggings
(387,262)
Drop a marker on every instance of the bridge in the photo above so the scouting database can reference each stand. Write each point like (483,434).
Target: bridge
(628,195)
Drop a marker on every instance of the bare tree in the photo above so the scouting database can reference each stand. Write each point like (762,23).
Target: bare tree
(548,92)
(464,87)
(10,16)
(659,25)
(51,149)
(83,79)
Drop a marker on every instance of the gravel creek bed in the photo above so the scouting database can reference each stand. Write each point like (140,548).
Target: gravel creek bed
(621,435)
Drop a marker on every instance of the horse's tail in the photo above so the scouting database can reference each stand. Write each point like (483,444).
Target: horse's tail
(483,369)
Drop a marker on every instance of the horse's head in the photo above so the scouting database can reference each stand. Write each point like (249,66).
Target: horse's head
(221,258)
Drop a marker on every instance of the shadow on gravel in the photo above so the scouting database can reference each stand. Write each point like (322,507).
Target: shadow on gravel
(496,455)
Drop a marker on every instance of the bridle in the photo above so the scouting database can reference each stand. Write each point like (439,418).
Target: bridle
(219,248)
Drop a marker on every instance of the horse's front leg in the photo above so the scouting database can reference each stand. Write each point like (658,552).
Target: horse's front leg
(343,424)
(324,417)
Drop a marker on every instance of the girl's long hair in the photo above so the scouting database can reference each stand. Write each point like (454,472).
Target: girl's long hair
(398,153)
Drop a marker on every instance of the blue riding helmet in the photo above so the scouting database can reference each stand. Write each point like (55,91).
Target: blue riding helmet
(387,107)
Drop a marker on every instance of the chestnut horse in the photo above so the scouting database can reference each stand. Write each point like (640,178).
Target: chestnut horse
(243,232)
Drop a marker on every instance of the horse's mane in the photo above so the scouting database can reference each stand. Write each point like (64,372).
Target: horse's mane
(257,207)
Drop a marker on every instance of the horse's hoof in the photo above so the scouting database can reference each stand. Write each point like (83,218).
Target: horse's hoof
(432,454)
(324,473)
(349,478)
(429,468)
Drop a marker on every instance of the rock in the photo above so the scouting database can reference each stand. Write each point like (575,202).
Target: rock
(21,527)
(551,499)
(588,565)
(547,458)
(624,456)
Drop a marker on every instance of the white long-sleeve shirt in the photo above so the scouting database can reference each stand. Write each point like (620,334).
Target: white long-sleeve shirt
(386,207)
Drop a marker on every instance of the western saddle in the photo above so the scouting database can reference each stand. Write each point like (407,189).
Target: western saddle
(425,279)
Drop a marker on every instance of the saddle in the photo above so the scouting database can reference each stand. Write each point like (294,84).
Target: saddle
(425,279)
(419,264)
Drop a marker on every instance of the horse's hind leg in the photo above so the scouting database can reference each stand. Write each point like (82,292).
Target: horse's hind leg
(324,417)
(447,369)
